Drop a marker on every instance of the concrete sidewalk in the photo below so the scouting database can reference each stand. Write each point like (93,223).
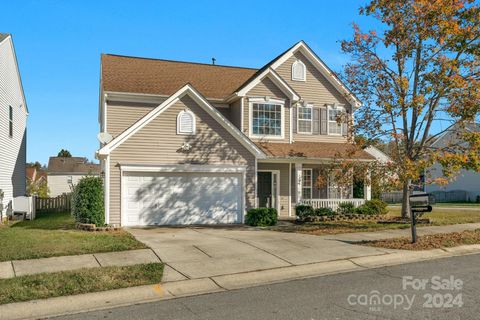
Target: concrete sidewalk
(16,268)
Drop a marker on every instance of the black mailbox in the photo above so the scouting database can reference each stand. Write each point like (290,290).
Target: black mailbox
(419,204)
(422,202)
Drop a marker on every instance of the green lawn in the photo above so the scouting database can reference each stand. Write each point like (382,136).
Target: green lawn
(47,285)
(444,216)
(54,234)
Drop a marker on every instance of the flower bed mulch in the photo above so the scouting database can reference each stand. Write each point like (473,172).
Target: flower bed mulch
(93,227)
(436,241)
(339,217)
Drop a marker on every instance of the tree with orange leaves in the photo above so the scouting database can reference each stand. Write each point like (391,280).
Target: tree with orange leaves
(419,69)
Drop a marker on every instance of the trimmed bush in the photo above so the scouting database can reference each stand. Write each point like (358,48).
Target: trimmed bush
(303,211)
(324,212)
(346,208)
(261,217)
(87,201)
(372,207)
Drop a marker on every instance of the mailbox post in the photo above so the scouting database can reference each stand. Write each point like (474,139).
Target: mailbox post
(419,203)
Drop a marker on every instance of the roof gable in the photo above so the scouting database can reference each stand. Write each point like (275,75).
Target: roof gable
(320,65)
(189,90)
(274,77)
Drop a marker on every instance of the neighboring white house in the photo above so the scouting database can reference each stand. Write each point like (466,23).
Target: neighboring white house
(64,173)
(13,126)
(466,185)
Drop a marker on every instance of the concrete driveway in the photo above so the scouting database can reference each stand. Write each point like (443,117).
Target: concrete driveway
(206,252)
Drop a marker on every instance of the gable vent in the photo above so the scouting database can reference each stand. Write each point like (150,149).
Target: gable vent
(186,122)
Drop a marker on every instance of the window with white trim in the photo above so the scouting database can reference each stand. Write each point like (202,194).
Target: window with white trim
(10,121)
(267,119)
(304,119)
(299,71)
(335,126)
(307,183)
(186,122)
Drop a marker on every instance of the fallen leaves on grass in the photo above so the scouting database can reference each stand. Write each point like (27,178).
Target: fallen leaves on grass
(436,241)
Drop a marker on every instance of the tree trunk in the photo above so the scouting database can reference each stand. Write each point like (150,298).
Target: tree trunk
(406,199)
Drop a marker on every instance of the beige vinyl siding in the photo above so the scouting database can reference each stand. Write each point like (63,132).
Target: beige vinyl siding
(284,183)
(158,143)
(236,113)
(12,149)
(58,183)
(267,88)
(122,115)
(316,90)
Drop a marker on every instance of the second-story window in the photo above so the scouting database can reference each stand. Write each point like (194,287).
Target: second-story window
(267,119)
(334,124)
(10,121)
(304,119)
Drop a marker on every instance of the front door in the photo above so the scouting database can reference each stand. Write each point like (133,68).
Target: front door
(264,191)
(267,189)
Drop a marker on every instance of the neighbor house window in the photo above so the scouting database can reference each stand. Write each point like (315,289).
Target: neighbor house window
(307,183)
(186,122)
(267,119)
(10,121)
(69,179)
(334,126)
(304,119)
(299,71)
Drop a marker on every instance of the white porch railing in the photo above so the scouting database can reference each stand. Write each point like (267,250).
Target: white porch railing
(331,203)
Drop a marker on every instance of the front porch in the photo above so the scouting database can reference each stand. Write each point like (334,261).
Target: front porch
(283,185)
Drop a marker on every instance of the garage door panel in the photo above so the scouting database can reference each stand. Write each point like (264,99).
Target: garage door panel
(184,198)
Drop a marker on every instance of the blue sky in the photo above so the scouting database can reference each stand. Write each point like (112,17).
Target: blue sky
(58,45)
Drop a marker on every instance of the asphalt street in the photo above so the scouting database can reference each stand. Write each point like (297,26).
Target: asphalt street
(438,289)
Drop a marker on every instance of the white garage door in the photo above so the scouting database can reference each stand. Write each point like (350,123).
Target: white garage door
(180,198)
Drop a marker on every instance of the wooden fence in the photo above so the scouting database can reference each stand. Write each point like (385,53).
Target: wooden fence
(59,204)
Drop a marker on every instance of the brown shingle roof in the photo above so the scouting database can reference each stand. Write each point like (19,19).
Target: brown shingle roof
(314,150)
(165,77)
(73,165)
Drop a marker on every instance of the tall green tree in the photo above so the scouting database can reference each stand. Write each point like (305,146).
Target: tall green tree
(419,68)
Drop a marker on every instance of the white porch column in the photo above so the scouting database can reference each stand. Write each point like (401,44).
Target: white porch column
(367,187)
(298,178)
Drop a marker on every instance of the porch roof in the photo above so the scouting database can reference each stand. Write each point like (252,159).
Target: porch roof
(314,150)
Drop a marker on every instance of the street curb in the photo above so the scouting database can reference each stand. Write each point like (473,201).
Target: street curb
(150,293)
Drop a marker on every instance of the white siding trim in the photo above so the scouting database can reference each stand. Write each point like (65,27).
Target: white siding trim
(107,189)
(225,168)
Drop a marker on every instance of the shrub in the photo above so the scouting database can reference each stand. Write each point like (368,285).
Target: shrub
(346,208)
(303,211)
(87,201)
(372,207)
(324,212)
(261,217)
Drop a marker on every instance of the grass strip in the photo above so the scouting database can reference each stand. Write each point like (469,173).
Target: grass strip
(48,285)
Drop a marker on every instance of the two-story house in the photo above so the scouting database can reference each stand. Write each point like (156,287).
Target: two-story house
(13,128)
(202,143)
